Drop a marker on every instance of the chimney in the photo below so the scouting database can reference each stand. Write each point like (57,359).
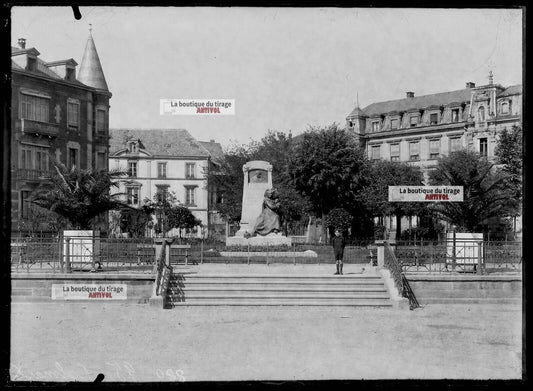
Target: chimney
(469,84)
(410,94)
(212,140)
(22,43)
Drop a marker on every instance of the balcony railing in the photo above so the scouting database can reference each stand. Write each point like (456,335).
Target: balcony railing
(35,127)
(26,174)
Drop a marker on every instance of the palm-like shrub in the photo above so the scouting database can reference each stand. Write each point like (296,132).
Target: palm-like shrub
(78,195)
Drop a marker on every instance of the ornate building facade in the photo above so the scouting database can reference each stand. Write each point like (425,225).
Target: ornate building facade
(58,114)
(418,130)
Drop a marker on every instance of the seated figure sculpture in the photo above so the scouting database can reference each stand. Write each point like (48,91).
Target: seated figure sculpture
(269,219)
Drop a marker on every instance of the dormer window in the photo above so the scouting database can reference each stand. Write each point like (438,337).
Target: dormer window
(481,114)
(505,108)
(134,146)
(394,123)
(71,74)
(434,119)
(32,64)
(413,121)
(455,115)
(375,126)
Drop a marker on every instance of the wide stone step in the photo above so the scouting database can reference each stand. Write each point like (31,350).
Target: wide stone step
(285,295)
(270,288)
(361,289)
(278,280)
(280,302)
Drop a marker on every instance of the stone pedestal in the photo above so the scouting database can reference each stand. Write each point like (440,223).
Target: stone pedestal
(268,240)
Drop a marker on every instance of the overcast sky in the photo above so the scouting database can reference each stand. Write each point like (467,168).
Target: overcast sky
(286,68)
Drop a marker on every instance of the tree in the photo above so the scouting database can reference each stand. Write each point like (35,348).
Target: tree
(227,179)
(277,148)
(135,221)
(509,153)
(486,194)
(338,218)
(171,214)
(374,195)
(78,195)
(326,167)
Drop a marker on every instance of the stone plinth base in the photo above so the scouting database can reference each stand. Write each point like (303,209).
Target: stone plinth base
(269,240)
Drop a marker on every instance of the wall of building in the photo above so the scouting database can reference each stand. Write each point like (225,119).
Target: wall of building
(55,135)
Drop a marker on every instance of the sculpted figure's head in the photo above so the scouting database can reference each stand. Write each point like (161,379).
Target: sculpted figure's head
(271,193)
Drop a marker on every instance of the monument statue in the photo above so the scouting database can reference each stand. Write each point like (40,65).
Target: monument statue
(269,219)
(260,220)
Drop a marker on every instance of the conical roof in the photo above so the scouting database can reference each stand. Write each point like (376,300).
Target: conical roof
(90,72)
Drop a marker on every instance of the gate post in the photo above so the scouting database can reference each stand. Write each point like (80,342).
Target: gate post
(380,244)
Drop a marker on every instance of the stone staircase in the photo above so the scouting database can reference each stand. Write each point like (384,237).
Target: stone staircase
(363,289)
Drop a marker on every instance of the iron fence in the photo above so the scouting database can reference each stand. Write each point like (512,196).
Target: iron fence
(114,254)
(460,256)
(58,254)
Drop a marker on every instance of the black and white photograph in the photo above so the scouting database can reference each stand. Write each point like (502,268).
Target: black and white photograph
(264,194)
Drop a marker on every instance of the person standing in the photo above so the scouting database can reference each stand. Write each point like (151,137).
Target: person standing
(338,244)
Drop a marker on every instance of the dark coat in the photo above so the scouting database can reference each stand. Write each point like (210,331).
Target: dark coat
(338,244)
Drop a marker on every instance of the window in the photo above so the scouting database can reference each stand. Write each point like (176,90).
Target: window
(190,169)
(100,121)
(395,152)
(504,108)
(455,144)
(433,119)
(375,126)
(34,158)
(375,152)
(101,161)
(70,74)
(414,151)
(481,114)
(434,149)
(132,195)
(161,170)
(132,169)
(483,147)
(34,108)
(41,159)
(190,192)
(413,121)
(24,204)
(26,161)
(394,123)
(161,192)
(73,114)
(455,115)
(73,156)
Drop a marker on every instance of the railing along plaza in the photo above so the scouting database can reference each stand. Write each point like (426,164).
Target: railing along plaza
(459,256)
(68,254)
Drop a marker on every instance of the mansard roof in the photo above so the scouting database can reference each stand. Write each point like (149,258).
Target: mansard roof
(426,101)
(161,142)
(418,102)
(512,90)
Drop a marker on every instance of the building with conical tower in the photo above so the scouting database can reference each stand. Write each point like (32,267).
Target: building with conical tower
(59,114)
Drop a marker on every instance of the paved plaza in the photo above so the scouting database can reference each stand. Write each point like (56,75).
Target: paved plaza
(132,342)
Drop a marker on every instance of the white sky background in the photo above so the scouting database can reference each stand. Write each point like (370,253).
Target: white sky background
(286,68)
